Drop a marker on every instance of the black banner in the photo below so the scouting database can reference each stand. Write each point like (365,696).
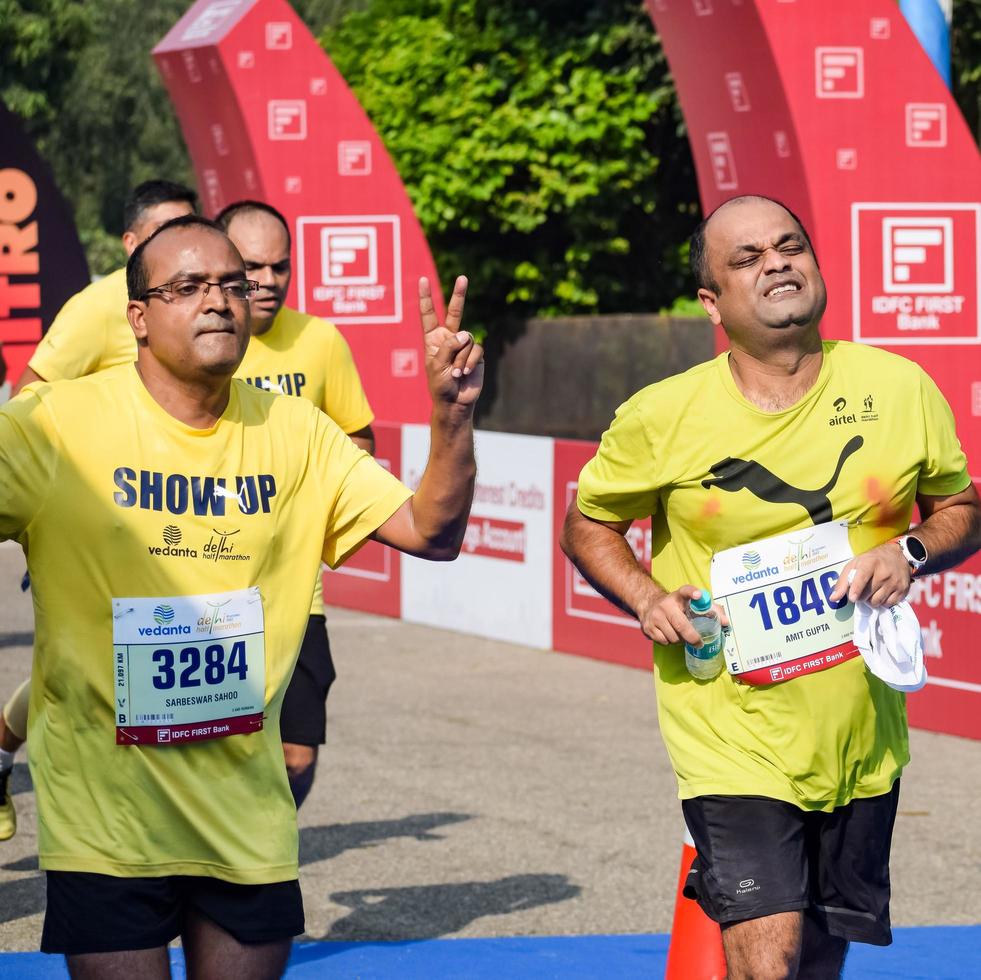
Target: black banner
(41,259)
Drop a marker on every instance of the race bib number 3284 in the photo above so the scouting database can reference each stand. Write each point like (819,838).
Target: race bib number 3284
(188,668)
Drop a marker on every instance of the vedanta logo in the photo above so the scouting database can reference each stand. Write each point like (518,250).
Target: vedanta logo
(751,560)
(178,630)
(756,575)
(163,614)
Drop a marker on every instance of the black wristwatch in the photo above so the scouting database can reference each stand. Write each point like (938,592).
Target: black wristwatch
(913,551)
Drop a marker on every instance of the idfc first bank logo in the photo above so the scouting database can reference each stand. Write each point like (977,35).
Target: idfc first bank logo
(350,268)
(915,273)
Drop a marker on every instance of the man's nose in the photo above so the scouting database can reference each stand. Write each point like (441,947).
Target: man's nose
(775,261)
(215,298)
(265,277)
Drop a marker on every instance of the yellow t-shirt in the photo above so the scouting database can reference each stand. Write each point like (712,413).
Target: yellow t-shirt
(98,518)
(872,432)
(89,334)
(308,357)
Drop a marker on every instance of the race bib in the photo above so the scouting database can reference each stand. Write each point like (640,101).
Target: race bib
(776,593)
(188,668)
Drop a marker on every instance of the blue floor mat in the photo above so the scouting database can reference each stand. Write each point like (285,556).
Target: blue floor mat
(924,953)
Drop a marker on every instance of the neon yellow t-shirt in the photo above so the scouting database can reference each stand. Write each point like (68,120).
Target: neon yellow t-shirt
(308,357)
(130,514)
(89,334)
(872,432)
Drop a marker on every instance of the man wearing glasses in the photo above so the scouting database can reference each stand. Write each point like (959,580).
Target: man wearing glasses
(163,804)
(291,353)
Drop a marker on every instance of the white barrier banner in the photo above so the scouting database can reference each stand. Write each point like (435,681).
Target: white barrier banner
(501,585)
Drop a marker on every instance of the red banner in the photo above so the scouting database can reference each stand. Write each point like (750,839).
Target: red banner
(371,579)
(583,621)
(266,115)
(197,731)
(835,109)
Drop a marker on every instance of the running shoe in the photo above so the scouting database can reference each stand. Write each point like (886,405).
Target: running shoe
(8,816)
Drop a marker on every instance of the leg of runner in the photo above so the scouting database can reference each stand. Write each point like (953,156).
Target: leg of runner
(13,731)
(767,948)
(301,767)
(138,964)
(303,721)
(821,956)
(211,953)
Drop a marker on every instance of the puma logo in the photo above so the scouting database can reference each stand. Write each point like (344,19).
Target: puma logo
(746,474)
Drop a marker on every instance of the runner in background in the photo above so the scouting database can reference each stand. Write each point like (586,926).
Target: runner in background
(789,788)
(293,353)
(163,804)
(89,334)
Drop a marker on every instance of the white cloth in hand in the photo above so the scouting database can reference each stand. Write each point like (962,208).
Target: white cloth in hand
(891,644)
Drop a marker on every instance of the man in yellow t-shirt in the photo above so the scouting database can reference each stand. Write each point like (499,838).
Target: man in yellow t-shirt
(89,334)
(789,789)
(159,673)
(292,353)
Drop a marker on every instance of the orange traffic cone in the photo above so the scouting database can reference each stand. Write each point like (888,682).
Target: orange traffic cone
(695,952)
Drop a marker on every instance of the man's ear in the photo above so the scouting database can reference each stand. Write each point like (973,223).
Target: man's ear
(709,300)
(130,241)
(136,314)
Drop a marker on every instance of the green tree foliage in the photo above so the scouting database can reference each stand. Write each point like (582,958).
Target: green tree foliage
(965,57)
(541,140)
(541,144)
(115,124)
(40,41)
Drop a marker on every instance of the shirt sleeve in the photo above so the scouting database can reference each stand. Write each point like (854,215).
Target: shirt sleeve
(620,483)
(73,345)
(361,495)
(27,461)
(344,398)
(944,469)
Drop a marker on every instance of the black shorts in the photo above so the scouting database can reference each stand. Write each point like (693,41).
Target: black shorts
(758,856)
(304,717)
(92,913)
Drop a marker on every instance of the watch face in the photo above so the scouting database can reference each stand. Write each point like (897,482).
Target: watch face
(915,547)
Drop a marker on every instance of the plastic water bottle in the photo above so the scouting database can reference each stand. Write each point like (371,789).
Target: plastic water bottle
(704,662)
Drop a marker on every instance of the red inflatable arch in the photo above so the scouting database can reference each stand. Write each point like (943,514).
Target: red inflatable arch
(266,115)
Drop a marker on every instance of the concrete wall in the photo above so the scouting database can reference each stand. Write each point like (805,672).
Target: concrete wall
(565,377)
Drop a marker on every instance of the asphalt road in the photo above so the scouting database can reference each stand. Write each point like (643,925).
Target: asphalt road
(476,788)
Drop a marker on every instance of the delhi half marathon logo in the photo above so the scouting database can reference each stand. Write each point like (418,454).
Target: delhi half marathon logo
(221,548)
(163,615)
(172,535)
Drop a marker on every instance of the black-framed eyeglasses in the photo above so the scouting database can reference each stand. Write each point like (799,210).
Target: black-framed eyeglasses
(191,290)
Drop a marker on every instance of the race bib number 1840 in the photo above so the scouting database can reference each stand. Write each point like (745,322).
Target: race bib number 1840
(777,595)
(188,668)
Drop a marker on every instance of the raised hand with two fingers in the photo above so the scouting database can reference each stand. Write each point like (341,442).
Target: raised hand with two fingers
(454,361)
